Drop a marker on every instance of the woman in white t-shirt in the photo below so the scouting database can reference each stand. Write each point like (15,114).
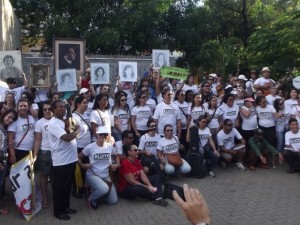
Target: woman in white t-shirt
(121,114)
(100,155)
(140,115)
(197,109)
(230,109)
(100,115)
(170,144)
(21,133)
(266,119)
(190,85)
(42,150)
(206,144)
(249,118)
(292,101)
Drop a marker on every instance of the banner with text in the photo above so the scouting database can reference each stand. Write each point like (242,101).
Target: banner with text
(21,179)
(174,72)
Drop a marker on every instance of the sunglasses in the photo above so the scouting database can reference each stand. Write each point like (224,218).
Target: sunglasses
(229,125)
(169,130)
(123,100)
(46,109)
(134,150)
(169,94)
(103,135)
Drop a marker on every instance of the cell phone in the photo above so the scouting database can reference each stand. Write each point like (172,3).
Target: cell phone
(168,191)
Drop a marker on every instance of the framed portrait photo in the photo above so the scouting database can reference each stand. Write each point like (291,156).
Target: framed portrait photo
(11,66)
(39,75)
(99,73)
(69,54)
(66,80)
(128,71)
(160,58)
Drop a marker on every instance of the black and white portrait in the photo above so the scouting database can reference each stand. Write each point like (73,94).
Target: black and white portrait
(40,75)
(66,80)
(11,65)
(100,73)
(128,71)
(160,58)
(69,54)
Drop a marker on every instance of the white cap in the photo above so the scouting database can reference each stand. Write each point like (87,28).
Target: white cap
(265,69)
(83,90)
(102,130)
(242,77)
(212,75)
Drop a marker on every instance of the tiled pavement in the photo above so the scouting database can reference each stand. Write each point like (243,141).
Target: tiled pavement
(268,197)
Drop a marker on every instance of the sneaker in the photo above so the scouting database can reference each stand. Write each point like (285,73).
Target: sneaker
(240,166)
(160,202)
(92,204)
(211,174)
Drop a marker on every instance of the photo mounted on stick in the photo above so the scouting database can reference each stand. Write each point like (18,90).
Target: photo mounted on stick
(100,73)
(39,75)
(128,71)
(160,58)
(11,66)
(66,80)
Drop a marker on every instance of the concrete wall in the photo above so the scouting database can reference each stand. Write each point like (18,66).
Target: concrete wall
(10,28)
(142,62)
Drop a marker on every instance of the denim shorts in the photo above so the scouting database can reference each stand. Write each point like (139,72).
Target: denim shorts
(45,161)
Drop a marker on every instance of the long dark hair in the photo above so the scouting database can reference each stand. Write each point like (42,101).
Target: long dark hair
(118,102)
(277,104)
(77,101)
(98,98)
(5,113)
(41,112)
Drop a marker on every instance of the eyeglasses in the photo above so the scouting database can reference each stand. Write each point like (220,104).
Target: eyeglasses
(46,109)
(169,130)
(263,102)
(123,100)
(229,125)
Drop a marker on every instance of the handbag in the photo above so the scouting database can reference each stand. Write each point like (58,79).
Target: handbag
(174,159)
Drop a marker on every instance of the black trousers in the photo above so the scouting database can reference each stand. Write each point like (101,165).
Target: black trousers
(62,184)
(133,191)
(293,159)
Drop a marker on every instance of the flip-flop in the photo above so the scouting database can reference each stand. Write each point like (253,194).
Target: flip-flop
(4,211)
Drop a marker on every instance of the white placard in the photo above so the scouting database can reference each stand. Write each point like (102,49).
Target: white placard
(100,73)
(66,80)
(128,71)
(160,58)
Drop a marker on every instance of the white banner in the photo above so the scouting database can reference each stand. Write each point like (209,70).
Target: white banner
(22,185)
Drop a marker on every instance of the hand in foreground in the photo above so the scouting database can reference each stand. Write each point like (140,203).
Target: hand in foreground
(195,207)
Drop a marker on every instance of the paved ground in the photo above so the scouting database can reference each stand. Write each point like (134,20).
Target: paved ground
(269,197)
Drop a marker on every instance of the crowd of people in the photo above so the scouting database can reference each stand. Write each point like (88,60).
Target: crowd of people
(128,141)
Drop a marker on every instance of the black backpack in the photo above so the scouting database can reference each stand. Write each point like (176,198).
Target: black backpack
(194,157)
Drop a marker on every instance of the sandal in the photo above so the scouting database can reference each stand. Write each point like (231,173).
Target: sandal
(4,211)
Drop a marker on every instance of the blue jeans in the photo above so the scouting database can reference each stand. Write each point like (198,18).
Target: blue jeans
(183,169)
(100,189)
(280,141)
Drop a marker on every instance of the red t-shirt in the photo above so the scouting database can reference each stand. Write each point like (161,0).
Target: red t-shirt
(85,84)
(129,167)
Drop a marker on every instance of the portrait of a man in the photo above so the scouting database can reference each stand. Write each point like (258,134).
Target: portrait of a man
(100,73)
(69,54)
(160,58)
(11,66)
(128,71)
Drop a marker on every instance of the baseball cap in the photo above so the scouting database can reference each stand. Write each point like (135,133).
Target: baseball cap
(265,69)
(242,77)
(212,75)
(83,90)
(102,130)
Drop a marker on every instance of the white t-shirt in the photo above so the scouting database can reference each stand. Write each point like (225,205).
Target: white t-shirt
(271,99)
(88,112)
(100,159)
(84,137)
(249,87)
(249,123)
(142,115)
(148,143)
(239,102)
(193,87)
(196,112)
(230,112)
(227,140)
(168,146)
(282,122)
(151,104)
(41,95)
(41,126)
(214,122)
(204,136)
(167,114)
(295,111)
(101,118)
(262,81)
(119,147)
(62,152)
(265,116)
(20,127)
(159,98)
(293,140)
(183,109)
(290,104)
(123,117)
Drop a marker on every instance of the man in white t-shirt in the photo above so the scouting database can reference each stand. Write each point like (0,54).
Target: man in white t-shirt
(272,96)
(227,146)
(264,83)
(64,158)
(127,139)
(292,146)
(17,91)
